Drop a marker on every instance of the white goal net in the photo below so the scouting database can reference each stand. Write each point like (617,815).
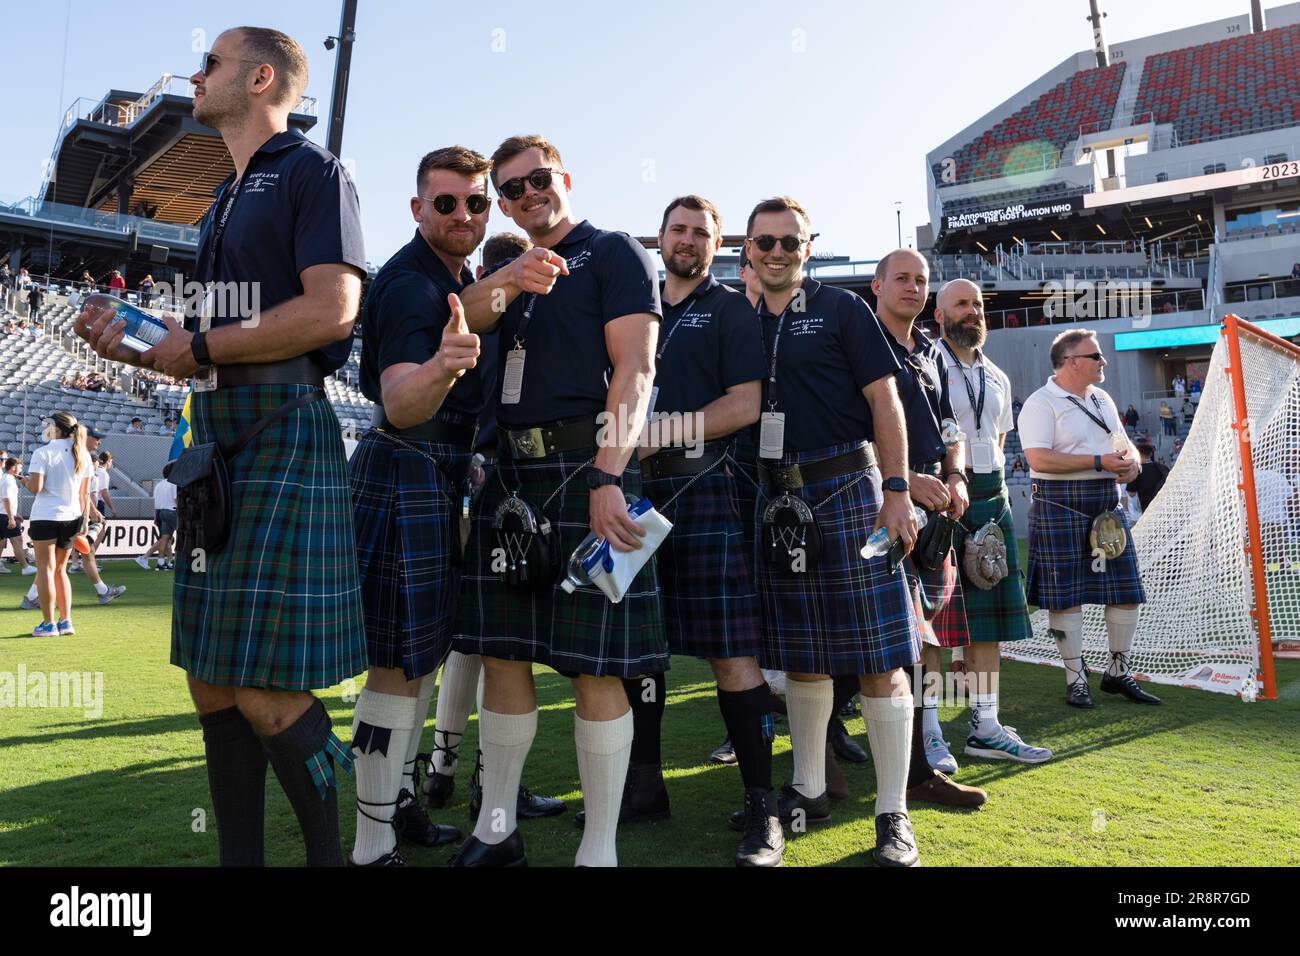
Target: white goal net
(1197,629)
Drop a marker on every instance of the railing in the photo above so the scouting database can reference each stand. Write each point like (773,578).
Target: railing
(1208,165)
(1262,291)
(1100,247)
(66,214)
(1164,303)
(1100,126)
(1258,232)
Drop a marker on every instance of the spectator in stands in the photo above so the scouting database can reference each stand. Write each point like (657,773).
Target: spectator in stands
(24,282)
(1194,390)
(35,300)
(1015,411)
(146,291)
(1295,271)
(1167,421)
(137,427)
(11,522)
(1188,411)
(1150,479)
(1180,387)
(6,283)
(87,283)
(1131,418)
(1177,450)
(168,427)
(117,285)
(164,516)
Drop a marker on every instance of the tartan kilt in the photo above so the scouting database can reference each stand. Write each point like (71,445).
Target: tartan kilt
(280,605)
(1000,613)
(847,615)
(583,632)
(745,456)
(937,597)
(406,511)
(1060,566)
(710,603)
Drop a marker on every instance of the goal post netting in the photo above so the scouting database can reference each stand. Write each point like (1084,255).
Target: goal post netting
(1202,577)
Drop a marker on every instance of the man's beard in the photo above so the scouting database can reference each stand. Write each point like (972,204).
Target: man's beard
(964,336)
(217,115)
(694,271)
(456,245)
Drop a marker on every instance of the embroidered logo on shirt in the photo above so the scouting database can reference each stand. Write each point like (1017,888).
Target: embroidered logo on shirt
(808,325)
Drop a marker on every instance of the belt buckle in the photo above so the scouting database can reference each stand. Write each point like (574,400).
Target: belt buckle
(787,477)
(527,443)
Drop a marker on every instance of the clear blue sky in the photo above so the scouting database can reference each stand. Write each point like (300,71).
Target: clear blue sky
(835,103)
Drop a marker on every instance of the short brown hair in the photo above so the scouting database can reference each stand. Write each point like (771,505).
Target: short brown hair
(502,248)
(699,204)
(777,204)
(459,159)
(285,56)
(1062,343)
(515,145)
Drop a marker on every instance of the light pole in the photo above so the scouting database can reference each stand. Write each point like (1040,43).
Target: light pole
(898,210)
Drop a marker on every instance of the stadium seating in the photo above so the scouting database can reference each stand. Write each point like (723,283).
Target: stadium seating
(1048,123)
(1227,88)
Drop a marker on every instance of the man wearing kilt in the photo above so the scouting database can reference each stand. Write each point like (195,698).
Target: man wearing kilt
(980,394)
(938,484)
(829,393)
(578,332)
(708,368)
(1077,450)
(408,473)
(260,621)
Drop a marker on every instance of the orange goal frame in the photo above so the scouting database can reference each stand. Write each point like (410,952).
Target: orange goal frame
(1232,328)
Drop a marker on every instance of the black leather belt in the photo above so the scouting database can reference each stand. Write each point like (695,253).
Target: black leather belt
(553,438)
(442,433)
(676,463)
(302,370)
(789,477)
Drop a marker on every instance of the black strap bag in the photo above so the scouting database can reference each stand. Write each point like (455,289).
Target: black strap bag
(934,541)
(527,556)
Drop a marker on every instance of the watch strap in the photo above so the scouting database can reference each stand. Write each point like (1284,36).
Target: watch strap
(199,349)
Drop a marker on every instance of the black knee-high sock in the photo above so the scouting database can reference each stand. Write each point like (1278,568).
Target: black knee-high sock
(918,767)
(743,712)
(237,782)
(647,716)
(846,685)
(304,756)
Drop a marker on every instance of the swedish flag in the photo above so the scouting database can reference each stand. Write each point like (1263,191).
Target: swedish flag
(183,436)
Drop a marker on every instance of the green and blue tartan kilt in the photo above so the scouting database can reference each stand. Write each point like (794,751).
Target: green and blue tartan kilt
(280,605)
(848,615)
(1060,563)
(406,510)
(579,633)
(709,599)
(1001,612)
(745,455)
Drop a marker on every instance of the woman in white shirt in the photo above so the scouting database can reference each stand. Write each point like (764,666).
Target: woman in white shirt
(59,476)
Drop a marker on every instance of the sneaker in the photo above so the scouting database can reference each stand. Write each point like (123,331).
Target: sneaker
(4,569)
(723,753)
(144,563)
(45,630)
(112,594)
(74,568)
(30,569)
(938,755)
(65,627)
(29,605)
(1005,744)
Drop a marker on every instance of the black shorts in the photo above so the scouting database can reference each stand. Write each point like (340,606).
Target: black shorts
(60,532)
(7,532)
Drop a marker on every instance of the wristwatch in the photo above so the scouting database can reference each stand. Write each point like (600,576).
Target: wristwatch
(895,484)
(599,479)
(199,349)
(1096,463)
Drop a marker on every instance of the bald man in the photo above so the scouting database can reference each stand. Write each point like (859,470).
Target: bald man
(980,393)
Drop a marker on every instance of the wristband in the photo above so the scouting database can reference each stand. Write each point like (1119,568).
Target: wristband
(1096,463)
(199,349)
(960,474)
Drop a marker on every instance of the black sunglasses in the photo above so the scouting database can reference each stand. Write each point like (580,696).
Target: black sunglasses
(922,371)
(788,243)
(1095,356)
(445,203)
(539,179)
(209,60)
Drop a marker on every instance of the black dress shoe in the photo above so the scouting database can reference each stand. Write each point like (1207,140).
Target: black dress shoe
(474,852)
(437,790)
(645,798)
(724,753)
(895,843)
(412,823)
(391,858)
(1127,686)
(530,806)
(1078,695)
(846,748)
(763,842)
(790,802)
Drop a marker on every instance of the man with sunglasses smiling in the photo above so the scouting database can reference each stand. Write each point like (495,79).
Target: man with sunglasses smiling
(829,393)
(570,349)
(1077,450)
(276,611)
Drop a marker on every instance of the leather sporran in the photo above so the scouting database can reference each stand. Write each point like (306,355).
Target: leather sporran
(527,555)
(933,542)
(202,499)
(792,540)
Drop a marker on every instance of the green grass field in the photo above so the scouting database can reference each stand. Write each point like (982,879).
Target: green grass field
(1203,780)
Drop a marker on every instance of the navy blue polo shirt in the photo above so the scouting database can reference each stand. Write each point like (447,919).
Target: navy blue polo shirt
(923,391)
(610,275)
(296,208)
(708,342)
(826,356)
(402,321)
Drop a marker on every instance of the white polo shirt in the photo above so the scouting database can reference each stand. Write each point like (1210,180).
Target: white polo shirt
(1049,419)
(60,497)
(164,495)
(996,418)
(9,494)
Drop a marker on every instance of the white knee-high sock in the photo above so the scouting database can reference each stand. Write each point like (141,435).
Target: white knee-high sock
(381,727)
(456,696)
(604,748)
(808,708)
(505,740)
(1067,628)
(1121,625)
(427,683)
(889,731)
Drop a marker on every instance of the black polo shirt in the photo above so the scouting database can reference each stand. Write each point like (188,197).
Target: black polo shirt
(402,321)
(708,342)
(610,275)
(295,208)
(923,391)
(827,354)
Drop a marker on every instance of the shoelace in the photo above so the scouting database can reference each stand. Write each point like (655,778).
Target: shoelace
(452,750)
(894,827)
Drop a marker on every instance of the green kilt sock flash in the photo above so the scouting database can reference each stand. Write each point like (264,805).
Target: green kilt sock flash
(237,782)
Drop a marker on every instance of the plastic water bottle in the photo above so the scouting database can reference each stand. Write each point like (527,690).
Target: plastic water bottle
(576,575)
(879,542)
(143,331)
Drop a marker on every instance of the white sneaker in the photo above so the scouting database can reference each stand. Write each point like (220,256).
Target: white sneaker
(938,755)
(1006,745)
(112,593)
(4,569)
(30,569)
(143,562)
